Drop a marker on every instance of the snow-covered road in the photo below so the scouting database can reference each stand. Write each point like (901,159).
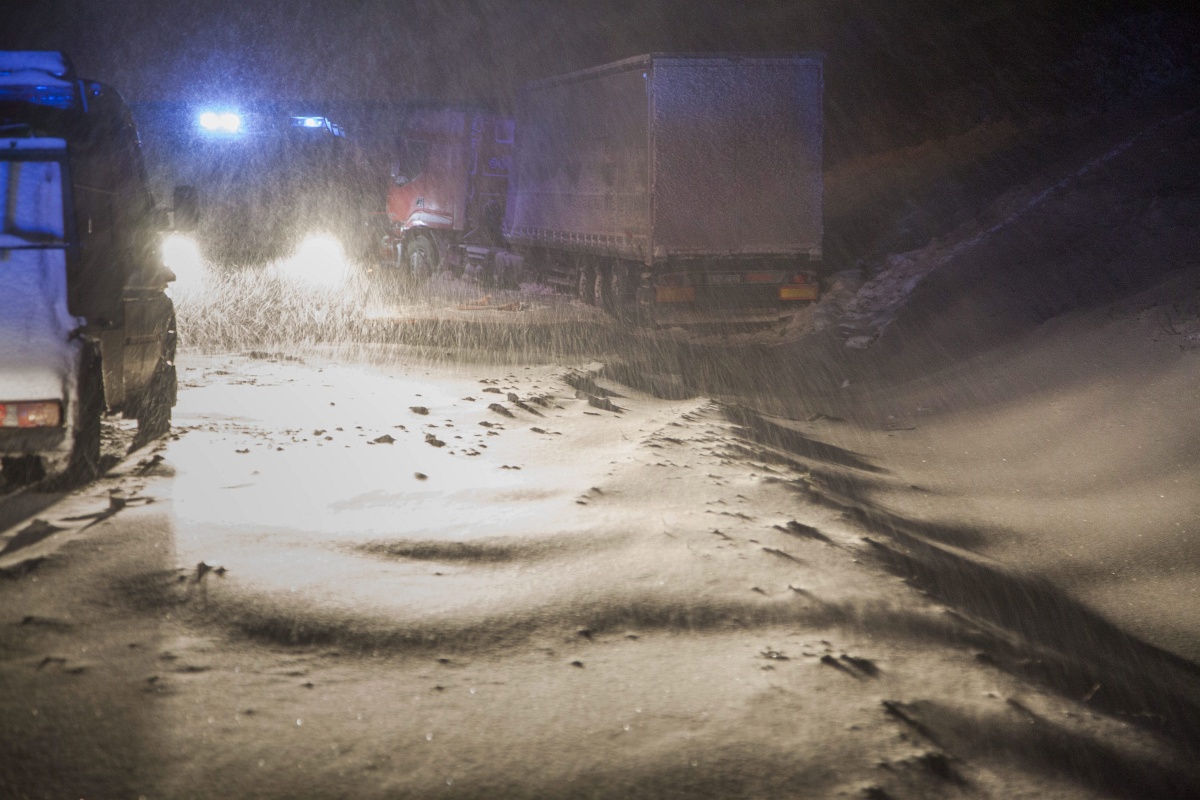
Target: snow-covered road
(387,578)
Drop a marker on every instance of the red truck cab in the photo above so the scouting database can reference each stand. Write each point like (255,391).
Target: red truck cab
(449,184)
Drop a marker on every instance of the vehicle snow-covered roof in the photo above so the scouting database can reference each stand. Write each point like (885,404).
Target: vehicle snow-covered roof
(40,77)
(50,62)
(34,67)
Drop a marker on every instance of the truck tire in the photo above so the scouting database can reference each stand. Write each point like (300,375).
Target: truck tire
(421,261)
(624,290)
(587,281)
(154,408)
(154,413)
(535,266)
(84,463)
(604,289)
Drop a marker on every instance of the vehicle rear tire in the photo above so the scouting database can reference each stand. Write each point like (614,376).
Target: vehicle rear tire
(154,408)
(84,463)
(421,260)
(587,281)
(624,291)
(535,266)
(154,416)
(604,289)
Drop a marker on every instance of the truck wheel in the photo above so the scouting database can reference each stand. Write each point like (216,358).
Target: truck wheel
(535,266)
(587,281)
(154,416)
(624,291)
(154,409)
(604,288)
(421,258)
(84,464)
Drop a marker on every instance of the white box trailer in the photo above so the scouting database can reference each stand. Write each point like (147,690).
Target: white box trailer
(687,183)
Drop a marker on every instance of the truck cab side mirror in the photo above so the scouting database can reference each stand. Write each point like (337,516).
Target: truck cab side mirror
(186,208)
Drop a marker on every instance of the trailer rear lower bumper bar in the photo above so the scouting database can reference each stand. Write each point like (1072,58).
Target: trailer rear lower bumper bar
(701,305)
(685,315)
(693,294)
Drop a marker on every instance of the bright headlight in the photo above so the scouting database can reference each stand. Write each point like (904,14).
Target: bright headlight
(181,255)
(319,262)
(223,122)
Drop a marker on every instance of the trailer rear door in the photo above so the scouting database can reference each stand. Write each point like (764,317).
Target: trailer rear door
(737,155)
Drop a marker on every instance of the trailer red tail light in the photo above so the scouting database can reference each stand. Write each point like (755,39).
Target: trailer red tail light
(674,294)
(802,278)
(44,414)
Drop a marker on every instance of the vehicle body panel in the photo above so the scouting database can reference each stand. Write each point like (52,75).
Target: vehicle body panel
(737,165)
(583,180)
(664,157)
(40,357)
(80,266)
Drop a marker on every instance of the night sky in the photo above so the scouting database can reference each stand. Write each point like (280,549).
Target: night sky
(885,58)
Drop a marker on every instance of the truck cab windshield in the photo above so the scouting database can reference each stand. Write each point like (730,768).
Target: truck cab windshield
(410,160)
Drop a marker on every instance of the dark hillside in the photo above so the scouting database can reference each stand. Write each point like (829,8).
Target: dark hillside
(1128,222)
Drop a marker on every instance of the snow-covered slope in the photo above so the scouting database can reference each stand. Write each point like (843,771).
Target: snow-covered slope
(1032,386)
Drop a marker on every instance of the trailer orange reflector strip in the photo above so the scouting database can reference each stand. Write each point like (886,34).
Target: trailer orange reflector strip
(674,294)
(807,291)
(44,414)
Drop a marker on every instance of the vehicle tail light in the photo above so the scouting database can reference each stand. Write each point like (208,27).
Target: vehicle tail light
(802,278)
(674,294)
(43,414)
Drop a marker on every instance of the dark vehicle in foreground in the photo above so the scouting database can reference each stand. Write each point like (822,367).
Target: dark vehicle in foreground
(671,188)
(85,321)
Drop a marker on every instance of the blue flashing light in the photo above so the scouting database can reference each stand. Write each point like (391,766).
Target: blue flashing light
(318,123)
(221,122)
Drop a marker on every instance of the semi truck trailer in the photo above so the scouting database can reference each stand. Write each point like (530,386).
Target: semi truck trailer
(666,187)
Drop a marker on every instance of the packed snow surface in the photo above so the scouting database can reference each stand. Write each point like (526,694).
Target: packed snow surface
(399,578)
